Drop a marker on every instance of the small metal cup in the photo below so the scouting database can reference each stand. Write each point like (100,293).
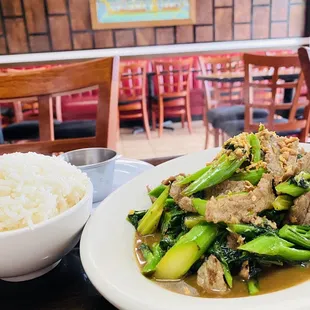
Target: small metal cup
(98,164)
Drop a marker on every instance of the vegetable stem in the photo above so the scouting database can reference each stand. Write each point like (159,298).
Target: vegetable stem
(220,171)
(290,189)
(148,224)
(255,147)
(253,176)
(156,192)
(275,246)
(200,205)
(283,202)
(253,287)
(194,176)
(297,234)
(189,248)
(192,220)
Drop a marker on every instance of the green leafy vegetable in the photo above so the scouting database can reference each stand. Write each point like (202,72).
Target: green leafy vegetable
(298,234)
(220,171)
(152,258)
(135,216)
(275,246)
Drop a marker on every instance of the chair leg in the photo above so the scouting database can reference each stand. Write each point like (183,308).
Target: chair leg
(182,120)
(146,120)
(204,116)
(207,134)
(216,137)
(118,126)
(153,120)
(188,114)
(161,117)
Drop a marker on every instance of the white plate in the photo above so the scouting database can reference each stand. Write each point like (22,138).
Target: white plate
(108,257)
(125,170)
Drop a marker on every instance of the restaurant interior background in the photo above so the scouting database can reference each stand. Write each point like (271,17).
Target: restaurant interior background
(38,34)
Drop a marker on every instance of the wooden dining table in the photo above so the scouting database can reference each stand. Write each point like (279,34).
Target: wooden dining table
(66,287)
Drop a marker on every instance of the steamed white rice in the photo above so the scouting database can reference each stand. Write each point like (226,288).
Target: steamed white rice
(34,188)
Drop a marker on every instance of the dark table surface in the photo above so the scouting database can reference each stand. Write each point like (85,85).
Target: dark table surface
(239,76)
(66,287)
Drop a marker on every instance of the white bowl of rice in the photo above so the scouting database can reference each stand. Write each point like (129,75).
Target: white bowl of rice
(44,205)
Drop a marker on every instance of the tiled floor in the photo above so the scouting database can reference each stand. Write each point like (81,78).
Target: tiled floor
(175,142)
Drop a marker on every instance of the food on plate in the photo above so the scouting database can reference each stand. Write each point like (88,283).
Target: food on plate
(35,188)
(238,226)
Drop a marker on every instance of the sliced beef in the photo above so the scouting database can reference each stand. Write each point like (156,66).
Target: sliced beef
(242,208)
(245,270)
(300,211)
(303,164)
(172,179)
(210,276)
(234,240)
(227,187)
(280,154)
(184,203)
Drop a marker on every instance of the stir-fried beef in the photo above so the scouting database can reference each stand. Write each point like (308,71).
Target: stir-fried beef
(242,208)
(184,203)
(172,179)
(245,270)
(280,154)
(303,164)
(300,211)
(234,240)
(210,276)
(227,187)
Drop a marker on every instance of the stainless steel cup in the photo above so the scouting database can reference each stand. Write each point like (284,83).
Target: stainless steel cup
(98,164)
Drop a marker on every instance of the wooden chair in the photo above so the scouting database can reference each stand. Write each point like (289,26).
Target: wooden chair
(294,124)
(172,78)
(56,81)
(220,94)
(132,94)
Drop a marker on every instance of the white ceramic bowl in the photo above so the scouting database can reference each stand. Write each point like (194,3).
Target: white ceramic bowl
(28,253)
(108,258)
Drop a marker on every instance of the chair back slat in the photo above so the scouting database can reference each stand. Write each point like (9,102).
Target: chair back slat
(132,81)
(173,76)
(46,83)
(276,66)
(221,92)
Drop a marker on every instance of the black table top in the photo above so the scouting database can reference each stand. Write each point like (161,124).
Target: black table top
(66,287)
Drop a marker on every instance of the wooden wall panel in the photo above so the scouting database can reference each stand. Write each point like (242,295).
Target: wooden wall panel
(223,22)
(82,41)
(242,11)
(261,22)
(39,43)
(57,25)
(164,36)
(145,36)
(16,36)
(60,33)
(184,34)
(35,16)
(56,6)
(204,34)
(80,15)
(204,12)
(11,7)
(104,39)
(124,38)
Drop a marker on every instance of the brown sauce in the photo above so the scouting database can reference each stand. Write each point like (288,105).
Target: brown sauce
(272,280)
